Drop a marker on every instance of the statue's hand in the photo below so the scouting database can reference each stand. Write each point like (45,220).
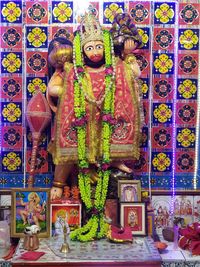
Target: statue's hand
(129,46)
(56,193)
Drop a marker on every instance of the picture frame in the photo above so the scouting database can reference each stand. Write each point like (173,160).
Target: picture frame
(5,205)
(186,206)
(30,206)
(5,198)
(129,190)
(134,215)
(65,213)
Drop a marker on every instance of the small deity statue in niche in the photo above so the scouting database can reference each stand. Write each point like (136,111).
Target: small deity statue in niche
(96,97)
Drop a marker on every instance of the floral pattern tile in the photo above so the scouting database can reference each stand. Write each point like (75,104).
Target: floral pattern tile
(187,89)
(12,137)
(163,88)
(57,31)
(161,161)
(145,37)
(62,12)
(145,87)
(11,88)
(43,139)
(143,61)
(188,64)
(36,62)
(35,84)
(45,20)
(36,12)
(36,37)
(162,112)
(164,13)
(11,161)
(188,39)
(11,62)
(185,137)
(11,37)
(189,13)
(163,63)
(11,112)
(41,162)
(162,137)
(163,39)
(110,9)
(11,11)
(140,12)
(186,113)
(94,8)
(185,161)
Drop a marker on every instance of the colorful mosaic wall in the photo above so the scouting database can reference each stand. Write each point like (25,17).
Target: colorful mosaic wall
(169,63)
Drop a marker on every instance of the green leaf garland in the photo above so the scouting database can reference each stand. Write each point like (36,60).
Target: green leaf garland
(96,227)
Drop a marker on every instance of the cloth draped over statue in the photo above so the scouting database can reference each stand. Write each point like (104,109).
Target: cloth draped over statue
(126,134)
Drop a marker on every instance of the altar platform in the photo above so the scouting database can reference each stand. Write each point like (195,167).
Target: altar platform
(141,252)
(173,256)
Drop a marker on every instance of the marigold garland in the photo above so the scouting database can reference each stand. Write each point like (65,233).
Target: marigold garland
(96,227)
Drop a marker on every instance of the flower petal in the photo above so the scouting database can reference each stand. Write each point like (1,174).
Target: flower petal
(107,13)
(113,7)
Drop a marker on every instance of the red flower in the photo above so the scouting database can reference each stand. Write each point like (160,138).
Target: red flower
(109,71)
(80,122)
(109,118)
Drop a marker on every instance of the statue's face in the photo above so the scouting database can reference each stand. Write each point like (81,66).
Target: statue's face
(94,50)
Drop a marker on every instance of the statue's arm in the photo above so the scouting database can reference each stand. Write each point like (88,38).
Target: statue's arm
(129,47)
(55,85)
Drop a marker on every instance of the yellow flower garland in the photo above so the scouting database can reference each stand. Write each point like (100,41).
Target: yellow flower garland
(96,227)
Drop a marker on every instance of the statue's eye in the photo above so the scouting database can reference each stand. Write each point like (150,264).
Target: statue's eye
(99,46)
(89,48)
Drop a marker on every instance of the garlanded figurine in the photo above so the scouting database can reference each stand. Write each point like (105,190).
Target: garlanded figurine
(97,122)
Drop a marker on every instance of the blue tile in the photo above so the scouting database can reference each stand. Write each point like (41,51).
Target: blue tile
(164,12)
(62,12)
(110,9)
(11,62)
(11,112)
(187,88)
(12,161)
(188,39)
(36,37)
(11,11)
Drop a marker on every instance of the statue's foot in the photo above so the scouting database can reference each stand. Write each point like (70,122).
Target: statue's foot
(56,193)
(121,166)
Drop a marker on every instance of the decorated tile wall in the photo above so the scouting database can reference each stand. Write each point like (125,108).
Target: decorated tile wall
(169,64)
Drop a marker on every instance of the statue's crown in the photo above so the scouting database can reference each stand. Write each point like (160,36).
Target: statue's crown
(90,29)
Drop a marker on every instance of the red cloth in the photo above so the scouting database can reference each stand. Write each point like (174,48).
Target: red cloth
(32,255)
(10,253)
(190,238)
(120,235)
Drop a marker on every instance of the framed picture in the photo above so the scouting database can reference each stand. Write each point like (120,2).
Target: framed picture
(129,190)
(134,215)
(5,198)
(61,215)
(30,206)
(186,205)
(5,205)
